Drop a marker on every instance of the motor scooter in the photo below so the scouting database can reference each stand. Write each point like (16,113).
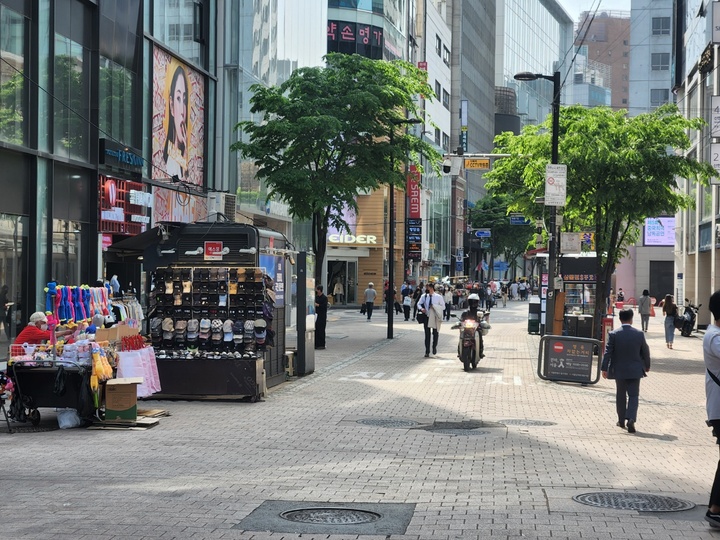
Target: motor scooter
(470,342)
(689,318)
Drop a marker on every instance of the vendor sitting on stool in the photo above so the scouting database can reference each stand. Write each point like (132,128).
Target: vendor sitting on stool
(36,331)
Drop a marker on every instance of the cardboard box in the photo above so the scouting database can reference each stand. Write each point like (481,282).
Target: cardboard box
(121,398)
(115,333)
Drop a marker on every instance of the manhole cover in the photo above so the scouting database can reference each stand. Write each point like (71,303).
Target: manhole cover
(330,516)
(525,422)
(388,422)
(641,502)
(458,432)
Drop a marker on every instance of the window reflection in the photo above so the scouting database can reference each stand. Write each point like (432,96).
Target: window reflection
(12,82)
(13,273)
(66,251)
(72,104)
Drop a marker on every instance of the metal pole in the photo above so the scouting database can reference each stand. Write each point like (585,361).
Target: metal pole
(553,243)
(391,251)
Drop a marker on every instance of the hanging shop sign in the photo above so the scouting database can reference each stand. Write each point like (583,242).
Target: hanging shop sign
(413,193)
(122,208)
(413,239)
(213,251)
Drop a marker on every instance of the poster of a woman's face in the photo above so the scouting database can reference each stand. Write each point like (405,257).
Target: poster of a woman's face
(178,137)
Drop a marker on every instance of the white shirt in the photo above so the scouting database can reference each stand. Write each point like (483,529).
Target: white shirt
(711,355)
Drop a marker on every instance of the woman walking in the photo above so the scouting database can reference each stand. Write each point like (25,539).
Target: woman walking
(670,311)
(432,305)
(644,306)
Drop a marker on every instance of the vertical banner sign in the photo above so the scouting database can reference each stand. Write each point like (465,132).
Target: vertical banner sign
(716,24)
(715,162)
(555,185)
(413,191)
(715,113)
(464,124)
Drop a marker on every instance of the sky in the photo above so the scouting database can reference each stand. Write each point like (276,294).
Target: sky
(575,7)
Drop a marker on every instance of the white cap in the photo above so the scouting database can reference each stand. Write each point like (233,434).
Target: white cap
(38,316)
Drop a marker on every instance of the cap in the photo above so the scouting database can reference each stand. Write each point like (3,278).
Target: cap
(167,325)
(38,316)
(204,328)
(228,330)
(238,329)
(371,284)
(192,329)
(217,327)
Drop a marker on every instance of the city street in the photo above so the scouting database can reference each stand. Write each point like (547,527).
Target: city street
(383,431)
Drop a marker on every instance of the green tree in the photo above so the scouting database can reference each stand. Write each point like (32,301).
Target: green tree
(510,241)
(11,109)
(620,170)
(325,135)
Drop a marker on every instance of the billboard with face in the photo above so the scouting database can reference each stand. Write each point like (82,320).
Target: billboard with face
(178,136)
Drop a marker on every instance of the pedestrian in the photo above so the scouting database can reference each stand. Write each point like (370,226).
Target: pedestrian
(407,303)
(369,299)
(711,356)
(321,308)
(670,311)
(504,293)
(644,308)
(432,305)
(514,290)
(627,360)
(481,292)
(447,297)
(522,289)
(416,297)
(620,295)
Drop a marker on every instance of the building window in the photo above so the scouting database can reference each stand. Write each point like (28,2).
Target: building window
(659,96)
(446,142)
(446,56)
(624,101)
(660,61)
(624,77)
(626,54)
(13,29)
(437,137)
(661,26)
(625,42)
(446,99)
(438,89)
(438,45)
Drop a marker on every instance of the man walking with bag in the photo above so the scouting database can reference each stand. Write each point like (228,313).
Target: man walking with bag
(432,305)
(627,360)
(711,355)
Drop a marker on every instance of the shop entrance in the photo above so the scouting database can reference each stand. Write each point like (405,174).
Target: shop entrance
(342,282)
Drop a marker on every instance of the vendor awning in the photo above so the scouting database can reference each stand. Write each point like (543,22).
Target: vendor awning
(139,243)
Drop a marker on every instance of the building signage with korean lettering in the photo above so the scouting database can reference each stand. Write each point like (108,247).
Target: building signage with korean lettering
(122,206)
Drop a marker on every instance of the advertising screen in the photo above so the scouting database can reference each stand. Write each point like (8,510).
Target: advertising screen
(659,231)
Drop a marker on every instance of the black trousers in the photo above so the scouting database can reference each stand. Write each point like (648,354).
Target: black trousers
(715,491)
(435,337)
(406,311)
(369,309)
(320,325)
(627,396)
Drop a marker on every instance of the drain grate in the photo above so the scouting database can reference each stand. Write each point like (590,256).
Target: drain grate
(525,422)
(640,502)
(331,516)
(388,422)
(33,429)
(458,432)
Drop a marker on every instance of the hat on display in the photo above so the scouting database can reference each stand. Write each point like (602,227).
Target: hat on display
(180,330)
(192,329)
(228,330)
(167,325)
(260,331)
(204,328)
(238,329)
(217,327)
(249,331)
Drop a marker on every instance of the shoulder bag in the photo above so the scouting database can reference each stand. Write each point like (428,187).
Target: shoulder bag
(422,317)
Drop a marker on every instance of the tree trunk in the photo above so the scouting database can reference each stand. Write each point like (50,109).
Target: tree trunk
(319,243)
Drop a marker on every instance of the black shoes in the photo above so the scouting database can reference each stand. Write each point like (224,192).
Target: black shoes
(621,425)
(631,426)
(434,350)
(427,354)
(713,519)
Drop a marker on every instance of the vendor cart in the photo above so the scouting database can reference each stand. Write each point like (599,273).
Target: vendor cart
(49,384)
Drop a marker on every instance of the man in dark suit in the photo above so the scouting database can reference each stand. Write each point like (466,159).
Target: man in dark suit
(627,360)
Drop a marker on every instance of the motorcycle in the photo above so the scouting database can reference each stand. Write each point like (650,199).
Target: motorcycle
(470,342)
(689,317)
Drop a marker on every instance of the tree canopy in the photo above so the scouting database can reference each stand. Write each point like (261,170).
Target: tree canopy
(330,132)
(620,170)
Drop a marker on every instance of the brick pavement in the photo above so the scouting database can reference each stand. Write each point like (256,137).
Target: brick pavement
(206,467)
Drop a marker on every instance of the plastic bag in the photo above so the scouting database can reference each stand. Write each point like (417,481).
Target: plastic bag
(68,418)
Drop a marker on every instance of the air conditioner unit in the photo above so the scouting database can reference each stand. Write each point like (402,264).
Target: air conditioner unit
(219,205)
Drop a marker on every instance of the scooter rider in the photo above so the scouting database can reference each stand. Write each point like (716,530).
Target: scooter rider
(473,313)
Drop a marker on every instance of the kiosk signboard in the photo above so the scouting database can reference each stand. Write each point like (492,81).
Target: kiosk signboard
(568,359)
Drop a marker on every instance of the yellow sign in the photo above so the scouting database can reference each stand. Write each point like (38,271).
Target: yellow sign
(475,163)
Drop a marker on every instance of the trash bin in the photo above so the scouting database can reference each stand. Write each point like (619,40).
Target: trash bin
(534,315)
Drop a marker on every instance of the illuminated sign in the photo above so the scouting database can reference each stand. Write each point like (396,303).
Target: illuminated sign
(120,206)
(474,163)
(115,155)
(352,239)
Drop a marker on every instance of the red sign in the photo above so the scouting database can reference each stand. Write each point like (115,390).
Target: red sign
(110,192)
(213,251)
(413,191)
(106,241)
(558,347)
(422,65)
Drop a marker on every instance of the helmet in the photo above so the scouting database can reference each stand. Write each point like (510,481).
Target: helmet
(473,296)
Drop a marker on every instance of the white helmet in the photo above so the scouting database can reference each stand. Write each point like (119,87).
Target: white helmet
(473,296)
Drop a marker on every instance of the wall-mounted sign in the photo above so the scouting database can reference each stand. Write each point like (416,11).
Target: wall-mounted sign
(352,239)
(118,156)
(715,114)
(555,185)
(118,209)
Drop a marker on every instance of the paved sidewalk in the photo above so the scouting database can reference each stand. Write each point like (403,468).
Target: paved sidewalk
(209,466)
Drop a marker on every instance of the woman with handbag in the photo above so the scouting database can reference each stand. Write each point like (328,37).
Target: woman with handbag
(431,305)
(670,311)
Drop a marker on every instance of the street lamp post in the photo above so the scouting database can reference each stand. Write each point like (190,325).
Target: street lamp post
(552,243)
(391,235)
